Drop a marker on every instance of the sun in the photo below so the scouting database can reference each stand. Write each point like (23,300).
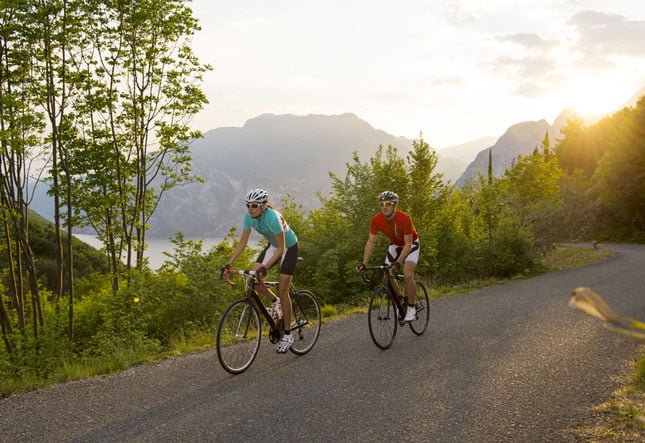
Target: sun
(594,97)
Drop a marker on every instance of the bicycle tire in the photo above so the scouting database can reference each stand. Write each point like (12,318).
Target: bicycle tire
(420,325)
(238,336)
(305,321)
(382,319)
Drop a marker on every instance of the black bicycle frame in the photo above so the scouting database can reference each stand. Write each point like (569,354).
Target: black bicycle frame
(253,295)
(393,291)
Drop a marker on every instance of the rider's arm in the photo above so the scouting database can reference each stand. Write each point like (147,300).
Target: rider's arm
(279,251)
(244,239)
(406,249)
(369,248)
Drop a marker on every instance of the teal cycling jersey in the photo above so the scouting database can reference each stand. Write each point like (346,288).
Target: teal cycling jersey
(269,224)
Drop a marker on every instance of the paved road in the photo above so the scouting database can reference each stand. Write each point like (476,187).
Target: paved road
(506,363)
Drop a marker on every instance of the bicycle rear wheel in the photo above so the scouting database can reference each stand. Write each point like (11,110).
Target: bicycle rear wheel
(382,319)
(305,321)
(422,303)
(238,337)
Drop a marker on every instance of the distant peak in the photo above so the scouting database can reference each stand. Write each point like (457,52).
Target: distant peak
(527,125)
(346,117)
(562,119)
(634,98)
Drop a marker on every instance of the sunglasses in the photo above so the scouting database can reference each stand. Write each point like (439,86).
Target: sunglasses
(386,204)
(253,205)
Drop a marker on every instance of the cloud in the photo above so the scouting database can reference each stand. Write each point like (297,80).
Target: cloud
(533,74)
(536,64)
(528,40)
(448,81)
(531,66)
(602,36)
(458,14)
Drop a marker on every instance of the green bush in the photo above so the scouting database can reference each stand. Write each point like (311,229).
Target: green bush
(512,249)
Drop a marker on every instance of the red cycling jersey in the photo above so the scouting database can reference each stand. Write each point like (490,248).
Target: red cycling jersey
(395,228)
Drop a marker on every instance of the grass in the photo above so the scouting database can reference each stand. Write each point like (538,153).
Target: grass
(622,417)
(78,369)
(563,257)
(639,377)
(197,340)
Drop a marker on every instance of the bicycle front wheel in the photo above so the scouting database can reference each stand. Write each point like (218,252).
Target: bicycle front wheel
(382,319)
(305,321)
(422,304)
(238,337)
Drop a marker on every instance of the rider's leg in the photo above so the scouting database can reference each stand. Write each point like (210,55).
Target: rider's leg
(410,290)
(284,281)
(262,289)
(410,285)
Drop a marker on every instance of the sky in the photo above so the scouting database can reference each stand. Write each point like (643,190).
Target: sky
(452,70)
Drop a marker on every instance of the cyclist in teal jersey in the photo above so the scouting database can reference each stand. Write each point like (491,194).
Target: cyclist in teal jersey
(283,247)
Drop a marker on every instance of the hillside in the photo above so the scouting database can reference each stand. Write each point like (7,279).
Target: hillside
(455,159)
(87,260)
(519,139)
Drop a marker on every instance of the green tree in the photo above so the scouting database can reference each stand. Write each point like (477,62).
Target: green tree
(621,172)
(335,237)
(532,188)
(21,130)
(56,34)
(583,147)
(424,185)
(146,90)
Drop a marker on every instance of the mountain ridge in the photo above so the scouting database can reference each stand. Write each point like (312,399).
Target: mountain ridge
(285,154)
(527,137)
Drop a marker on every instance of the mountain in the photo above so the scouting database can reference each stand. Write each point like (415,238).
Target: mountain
(521,138)
(634,98)
(285,154)
(455,159)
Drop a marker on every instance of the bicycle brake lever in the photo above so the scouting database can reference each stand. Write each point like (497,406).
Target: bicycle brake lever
(365,279)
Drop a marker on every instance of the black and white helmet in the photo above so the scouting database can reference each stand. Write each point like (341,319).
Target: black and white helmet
(257,195)
(388,196)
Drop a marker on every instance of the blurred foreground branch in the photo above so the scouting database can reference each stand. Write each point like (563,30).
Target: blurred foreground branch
(586,300)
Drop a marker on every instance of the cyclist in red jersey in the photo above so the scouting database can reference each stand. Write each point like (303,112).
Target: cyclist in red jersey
(404,245)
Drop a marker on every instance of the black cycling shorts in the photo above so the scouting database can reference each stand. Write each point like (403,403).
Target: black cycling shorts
(289,259)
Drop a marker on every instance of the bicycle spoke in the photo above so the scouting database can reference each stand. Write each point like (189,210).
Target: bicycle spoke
(238,337)
(305,321)
(382,319)
(419,325)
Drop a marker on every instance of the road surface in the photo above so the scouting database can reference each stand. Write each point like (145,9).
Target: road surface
(506,363)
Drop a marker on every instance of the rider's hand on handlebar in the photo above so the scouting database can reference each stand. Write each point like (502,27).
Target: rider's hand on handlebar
(224,270)
(261,272)
(395,266)
(360,268)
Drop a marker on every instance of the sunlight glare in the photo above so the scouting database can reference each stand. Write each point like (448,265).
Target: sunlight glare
(595,97)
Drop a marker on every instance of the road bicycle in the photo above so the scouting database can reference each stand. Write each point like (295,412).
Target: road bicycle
(387,308)
(240,329)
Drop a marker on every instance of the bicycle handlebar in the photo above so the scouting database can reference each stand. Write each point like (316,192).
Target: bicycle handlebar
(378,267)
(248,274)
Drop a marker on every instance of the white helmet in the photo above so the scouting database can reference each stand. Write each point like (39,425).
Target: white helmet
(388,196)
(257,195)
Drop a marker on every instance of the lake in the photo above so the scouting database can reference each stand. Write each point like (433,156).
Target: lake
(156,246)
